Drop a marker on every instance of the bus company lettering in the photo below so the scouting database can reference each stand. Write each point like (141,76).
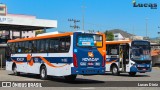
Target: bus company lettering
(151,5)
(20,59)
(90,59)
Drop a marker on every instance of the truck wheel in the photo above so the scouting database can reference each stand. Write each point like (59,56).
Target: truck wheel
(43,73)
(70,77)
(115,70)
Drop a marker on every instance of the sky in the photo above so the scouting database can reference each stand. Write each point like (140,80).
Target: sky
(99,15)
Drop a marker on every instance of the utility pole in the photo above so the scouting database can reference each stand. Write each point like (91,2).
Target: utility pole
(75,26)
(133,33)
(147,28)
(83,12)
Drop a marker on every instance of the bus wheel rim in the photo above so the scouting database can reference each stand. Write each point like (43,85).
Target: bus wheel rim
(15,70)
(43,73)
(115,70)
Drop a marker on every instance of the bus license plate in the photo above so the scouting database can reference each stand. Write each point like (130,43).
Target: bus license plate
(143,69)
(90,63)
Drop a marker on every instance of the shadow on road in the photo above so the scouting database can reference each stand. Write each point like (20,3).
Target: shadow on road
(127,75)
(61,79)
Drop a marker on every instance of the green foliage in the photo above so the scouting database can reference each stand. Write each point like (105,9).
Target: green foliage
(39,32)
(109,36)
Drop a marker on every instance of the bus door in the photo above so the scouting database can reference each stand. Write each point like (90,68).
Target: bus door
(123,56)
(112,55)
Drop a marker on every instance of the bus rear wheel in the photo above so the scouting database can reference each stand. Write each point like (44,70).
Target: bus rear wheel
(115,70)
(43,73)
(15,72)
(132,73)
(70,77)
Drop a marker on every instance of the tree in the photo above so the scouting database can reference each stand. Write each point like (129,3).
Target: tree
(109,36)
(39,32)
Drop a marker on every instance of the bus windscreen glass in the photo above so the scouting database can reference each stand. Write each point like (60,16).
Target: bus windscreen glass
(90,40)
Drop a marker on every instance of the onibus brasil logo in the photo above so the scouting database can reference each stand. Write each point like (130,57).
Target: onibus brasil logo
(145,5)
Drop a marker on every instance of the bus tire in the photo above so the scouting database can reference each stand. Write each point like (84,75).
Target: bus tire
(43,73)
(14,69)
(70,77)
(132,73)
(115,70)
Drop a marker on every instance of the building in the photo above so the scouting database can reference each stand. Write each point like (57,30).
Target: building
(122,35)
(19,26)
(14,34)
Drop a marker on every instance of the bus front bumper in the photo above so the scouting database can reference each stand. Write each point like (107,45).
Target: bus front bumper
(88,71)
(138,68)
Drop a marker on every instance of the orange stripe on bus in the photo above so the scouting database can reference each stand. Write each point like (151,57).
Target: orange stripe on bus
(42,37)
(43,59)
(17,62)
(118,42)
(111,62)
(50,64)
(30,60)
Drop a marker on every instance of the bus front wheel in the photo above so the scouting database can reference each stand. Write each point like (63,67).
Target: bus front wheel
(70,77)
(115,70)
(132,73)
(43,73)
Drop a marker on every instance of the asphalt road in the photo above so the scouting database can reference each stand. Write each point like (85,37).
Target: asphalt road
(85,82)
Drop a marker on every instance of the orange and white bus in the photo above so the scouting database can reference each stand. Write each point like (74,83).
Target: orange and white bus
(128,56)
(63,54)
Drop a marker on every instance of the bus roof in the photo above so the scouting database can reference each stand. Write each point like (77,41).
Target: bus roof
(118,42)
(46,36)
(41,37)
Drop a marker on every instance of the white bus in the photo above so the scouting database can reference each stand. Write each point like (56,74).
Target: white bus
(128,56)
(65,54)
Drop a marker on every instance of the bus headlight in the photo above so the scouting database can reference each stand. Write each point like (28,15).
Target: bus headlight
(83,63)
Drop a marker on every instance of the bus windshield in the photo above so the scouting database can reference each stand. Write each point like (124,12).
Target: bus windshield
(140,53)
(89,40)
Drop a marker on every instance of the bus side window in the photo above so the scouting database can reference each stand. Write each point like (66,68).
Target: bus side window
(112,50)
(51,46)
(38,46)
(56,45)
(26,47)
(19,47)
(108,50)
(16,47)
(22,47)
(42,46)
(47,46)
(68,43)
(34,44)
(30,47)
(62,45)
